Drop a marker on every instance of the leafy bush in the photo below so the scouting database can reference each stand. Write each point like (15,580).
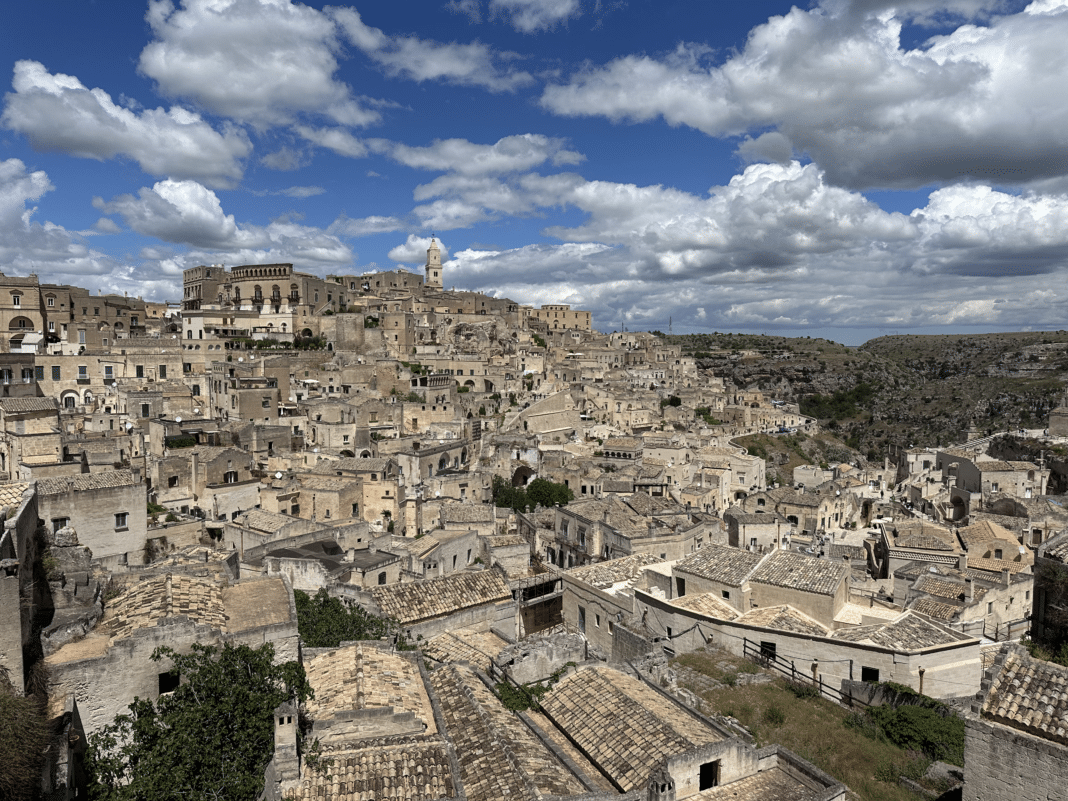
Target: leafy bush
(924,729)
(211,737)
(323,621)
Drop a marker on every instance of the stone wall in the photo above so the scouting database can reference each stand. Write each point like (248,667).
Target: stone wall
(1002,763)
(950,671)
(628,645)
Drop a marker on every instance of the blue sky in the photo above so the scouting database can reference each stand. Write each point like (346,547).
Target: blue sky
(845,169)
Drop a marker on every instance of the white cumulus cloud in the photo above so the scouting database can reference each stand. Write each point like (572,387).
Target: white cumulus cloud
(57,112)
(835,83)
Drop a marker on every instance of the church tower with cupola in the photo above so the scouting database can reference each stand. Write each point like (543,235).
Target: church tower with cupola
(433,265)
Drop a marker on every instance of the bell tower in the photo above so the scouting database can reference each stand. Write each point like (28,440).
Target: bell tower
(433,265)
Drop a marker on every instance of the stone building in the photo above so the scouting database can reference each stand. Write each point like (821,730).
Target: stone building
(174,610)
(108,510)
(1015,742)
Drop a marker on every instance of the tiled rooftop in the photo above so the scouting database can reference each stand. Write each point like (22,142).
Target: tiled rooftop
(908,633)
(982,532)
(410,769)
(420,600)
(940,588)
(707,604)
(477,648)
(1031,695)
(259,520)
(11,494)
(499,756)
(720,563)
(146,602)
(363,677)
(799,572)
(923,535)
(624,726)
(86,481)
(466,513)
(604,575)
(784,618)
(25,405)
(767,785)
(936,609)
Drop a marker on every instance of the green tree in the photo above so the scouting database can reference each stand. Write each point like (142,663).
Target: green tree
(325,622)
(211,737)
(542,492)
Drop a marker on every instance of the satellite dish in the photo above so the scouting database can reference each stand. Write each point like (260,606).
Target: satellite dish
(177,419)
(278,474)
(196,411)
(241,358)
(129,426)
(315,450)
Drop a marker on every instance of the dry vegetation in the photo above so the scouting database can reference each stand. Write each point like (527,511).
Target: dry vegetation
(813,728)
(927,389)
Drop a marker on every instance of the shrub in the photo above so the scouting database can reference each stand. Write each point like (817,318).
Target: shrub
(774,716)
(937,733)
(802,689)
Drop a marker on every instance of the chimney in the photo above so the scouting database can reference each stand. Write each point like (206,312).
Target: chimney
(136,474)
(1005,580)
(962,562)
(969,590)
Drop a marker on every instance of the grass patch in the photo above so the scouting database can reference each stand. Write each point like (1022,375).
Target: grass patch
(817,730)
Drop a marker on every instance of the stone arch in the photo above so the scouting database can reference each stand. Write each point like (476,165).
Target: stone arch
(20,324)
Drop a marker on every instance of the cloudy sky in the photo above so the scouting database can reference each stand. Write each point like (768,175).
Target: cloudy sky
(845,169)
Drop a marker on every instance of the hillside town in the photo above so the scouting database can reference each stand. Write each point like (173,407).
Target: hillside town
(528,501)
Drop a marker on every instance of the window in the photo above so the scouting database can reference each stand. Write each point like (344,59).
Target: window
(381,578)
(990,608)
(582,619)
(109,371)
(83,372)
(869,674)
(55,372)
(39,372)
(727,594)
(767,649)
(266,403)
(96,311)
(187,367)
(597,621)
(355,509)
(50,301)
(172,481)
(145,410)
(139,371)
(709,775)
(59,522)
(196,390)
(16,300)
(168,682)
(121,520)
(163,371)
(997,553)
(230,477)
(81,336)
(52,326)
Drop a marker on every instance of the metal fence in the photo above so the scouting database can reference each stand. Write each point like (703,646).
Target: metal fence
(767,658)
